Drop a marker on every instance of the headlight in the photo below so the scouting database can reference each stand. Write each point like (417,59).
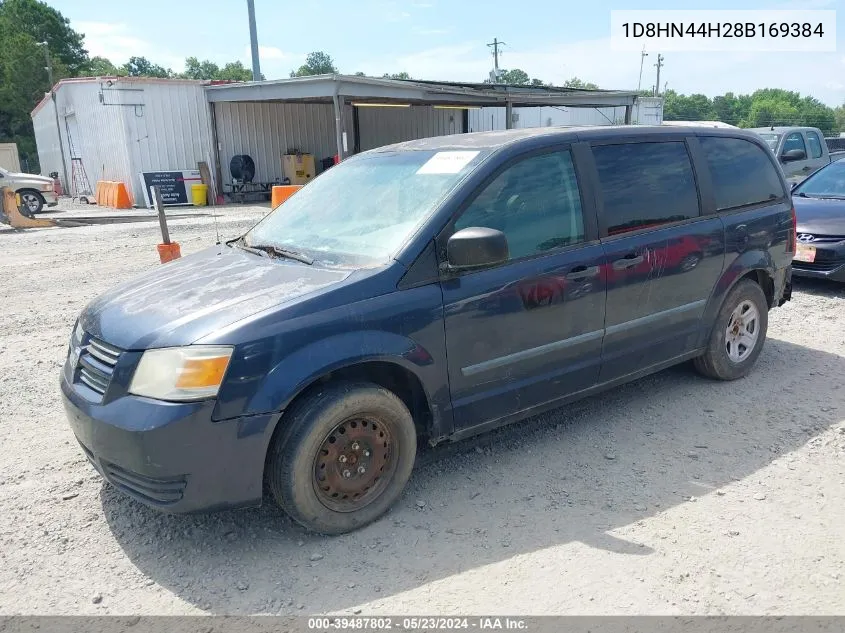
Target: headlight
(181,373)
(46,187)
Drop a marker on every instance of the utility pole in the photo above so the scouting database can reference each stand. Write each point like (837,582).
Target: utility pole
(253,41)
(49,66)
(659,65)
(495,44)
(52,93)
(643,55)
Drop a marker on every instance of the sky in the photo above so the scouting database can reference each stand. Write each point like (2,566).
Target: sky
(446,39)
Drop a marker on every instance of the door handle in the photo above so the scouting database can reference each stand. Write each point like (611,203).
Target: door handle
(580,273)
(629,261)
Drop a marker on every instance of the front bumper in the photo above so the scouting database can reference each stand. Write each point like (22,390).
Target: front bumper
(829,264)
(50,198)
(171,456)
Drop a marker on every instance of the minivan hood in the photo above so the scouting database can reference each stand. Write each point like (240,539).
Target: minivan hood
(820,216)
(183,301)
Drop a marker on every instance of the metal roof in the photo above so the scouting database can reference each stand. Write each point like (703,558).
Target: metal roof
(322,88)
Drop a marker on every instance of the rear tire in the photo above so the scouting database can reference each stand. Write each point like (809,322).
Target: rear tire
(343,456)
(738,334)
(32,202)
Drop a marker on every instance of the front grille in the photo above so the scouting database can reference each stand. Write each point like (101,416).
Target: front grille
(96,364)
(824,239)
(153,490)
(820,266)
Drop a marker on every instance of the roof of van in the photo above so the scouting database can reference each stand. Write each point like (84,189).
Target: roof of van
(501,138)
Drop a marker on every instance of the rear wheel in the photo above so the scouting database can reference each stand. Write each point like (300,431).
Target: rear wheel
(32,202)
(343,456)
(738,335)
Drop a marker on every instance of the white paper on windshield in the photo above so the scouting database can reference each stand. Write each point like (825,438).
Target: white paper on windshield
(447,162)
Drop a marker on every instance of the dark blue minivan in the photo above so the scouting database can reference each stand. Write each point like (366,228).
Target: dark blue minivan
(427,291)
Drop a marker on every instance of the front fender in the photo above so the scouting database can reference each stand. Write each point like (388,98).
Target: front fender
(273,389)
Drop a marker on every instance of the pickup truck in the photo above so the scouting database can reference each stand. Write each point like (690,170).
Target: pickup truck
(800,150)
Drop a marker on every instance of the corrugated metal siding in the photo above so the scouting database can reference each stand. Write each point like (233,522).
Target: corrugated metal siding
(266,130)
(383,126)
(151,126)
(647,111)
(171,132)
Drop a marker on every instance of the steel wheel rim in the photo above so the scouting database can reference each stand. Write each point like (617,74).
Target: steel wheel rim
(743,331)
(30,201)
(354,464)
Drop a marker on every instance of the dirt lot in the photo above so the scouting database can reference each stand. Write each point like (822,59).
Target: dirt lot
(672,495)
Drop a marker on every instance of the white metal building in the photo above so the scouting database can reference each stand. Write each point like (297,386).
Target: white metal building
(646,111)
(122,126)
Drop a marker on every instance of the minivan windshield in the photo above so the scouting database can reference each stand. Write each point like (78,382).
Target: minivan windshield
(771,138)
(828,182)
(363,210)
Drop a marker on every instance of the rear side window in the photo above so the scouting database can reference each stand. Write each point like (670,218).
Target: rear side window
(741,171)
(645,185)
(535,202)
(815,145)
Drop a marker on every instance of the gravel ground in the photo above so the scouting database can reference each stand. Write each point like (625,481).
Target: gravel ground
(672,495)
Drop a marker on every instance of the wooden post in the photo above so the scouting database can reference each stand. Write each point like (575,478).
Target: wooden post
(162,219)
(167,250)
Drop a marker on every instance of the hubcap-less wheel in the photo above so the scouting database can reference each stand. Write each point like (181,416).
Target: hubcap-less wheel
(31,201)
(354,464)
(742,332)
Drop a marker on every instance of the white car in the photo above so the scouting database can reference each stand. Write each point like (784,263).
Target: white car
(35,191)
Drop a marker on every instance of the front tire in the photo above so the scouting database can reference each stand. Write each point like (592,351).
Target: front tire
(343,456)
(32,202)
(738,334)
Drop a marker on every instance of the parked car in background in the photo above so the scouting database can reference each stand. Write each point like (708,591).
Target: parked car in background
(799,150)
(428,291)
(35,191)
(820,210)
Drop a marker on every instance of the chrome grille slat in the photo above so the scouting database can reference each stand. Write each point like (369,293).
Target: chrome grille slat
(100,354)
(96,383)
(96,364)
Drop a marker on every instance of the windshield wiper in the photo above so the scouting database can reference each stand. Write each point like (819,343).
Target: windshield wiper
(282,252)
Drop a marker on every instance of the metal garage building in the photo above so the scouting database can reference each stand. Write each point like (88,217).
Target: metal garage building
(119,127)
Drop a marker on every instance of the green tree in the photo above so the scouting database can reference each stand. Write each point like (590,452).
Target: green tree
(43,23)
(402,75)
(100,67)
(678,107)
(196,69)
(142,67)
(579,83)
(236,71)
(839,116)
(514,77)
(537,82)
(316,63)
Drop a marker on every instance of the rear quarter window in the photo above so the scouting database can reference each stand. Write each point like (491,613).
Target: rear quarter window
(742,173)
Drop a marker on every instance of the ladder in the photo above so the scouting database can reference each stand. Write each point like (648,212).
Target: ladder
(80,185)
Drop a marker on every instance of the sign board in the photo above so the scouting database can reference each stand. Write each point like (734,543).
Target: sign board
(175,186)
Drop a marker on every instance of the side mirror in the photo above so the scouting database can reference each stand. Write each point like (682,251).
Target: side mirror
(793,155)
(475,247)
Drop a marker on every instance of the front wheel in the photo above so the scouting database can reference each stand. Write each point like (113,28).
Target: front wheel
(32,202)
(738,334)
(343,456)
